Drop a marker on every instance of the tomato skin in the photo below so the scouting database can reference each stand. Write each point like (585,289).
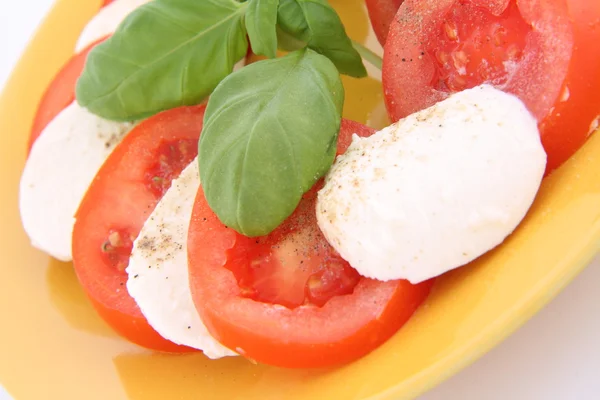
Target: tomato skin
(120,200)
(381,13)
(344,329)
(59,94)
(570,122)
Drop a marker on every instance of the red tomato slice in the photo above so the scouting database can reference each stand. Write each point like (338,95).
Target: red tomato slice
(288,299)
(381,13)
(60,93)
(577,113)
(438,47)
(124,193)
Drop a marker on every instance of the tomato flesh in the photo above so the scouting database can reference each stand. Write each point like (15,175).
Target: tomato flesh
(288,299)
(172,158)
(381,13)
(476,46)
(279,269)
(59,94)
(123,195)
(438,47)
(117,248)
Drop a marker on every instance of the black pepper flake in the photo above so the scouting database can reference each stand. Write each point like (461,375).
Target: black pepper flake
(189,327)
(404,60)
(135,276)
(422,53)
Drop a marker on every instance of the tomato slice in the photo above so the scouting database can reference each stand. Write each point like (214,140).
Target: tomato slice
(288,299)
(576,114)
(60,93)
(438,47)
(381,13)
(123,195)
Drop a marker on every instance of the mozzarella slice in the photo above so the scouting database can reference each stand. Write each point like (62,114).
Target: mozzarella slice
(62,164)
(106,22)
(435,190)
(158,274)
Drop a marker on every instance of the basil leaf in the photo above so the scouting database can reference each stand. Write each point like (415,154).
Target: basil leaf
(261,22)
(270,132)
(316,23)
(287,42)
(291,19)
(167,53)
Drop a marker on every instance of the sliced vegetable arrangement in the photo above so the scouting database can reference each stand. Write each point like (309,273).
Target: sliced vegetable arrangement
(118,202)
(231,209)
(288,299)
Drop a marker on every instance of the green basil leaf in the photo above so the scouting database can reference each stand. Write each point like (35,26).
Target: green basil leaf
(287,42)
(270,132)
(316,23)
(291,19)
(261,22)
(167,53)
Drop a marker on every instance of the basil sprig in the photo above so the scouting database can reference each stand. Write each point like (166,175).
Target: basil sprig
(167,53)
(270,129)
(270,132)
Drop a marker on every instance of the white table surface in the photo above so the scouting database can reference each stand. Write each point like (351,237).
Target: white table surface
(556,355)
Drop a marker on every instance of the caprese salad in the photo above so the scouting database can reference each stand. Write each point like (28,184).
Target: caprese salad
(229,208)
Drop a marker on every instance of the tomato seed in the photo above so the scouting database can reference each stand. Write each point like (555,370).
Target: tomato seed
(172,157)
(451,30)
(117,248)
(460,60)
(499,35)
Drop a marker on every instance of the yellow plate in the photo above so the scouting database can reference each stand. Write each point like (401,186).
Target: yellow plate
(52,344)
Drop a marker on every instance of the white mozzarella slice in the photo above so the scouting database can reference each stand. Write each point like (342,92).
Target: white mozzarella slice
(435,190)
(106,22)
(158,273)
(61,166)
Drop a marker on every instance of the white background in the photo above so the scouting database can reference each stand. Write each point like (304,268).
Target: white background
(556,355)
